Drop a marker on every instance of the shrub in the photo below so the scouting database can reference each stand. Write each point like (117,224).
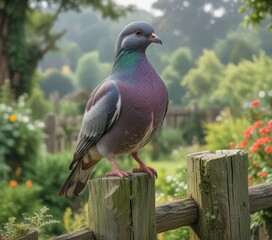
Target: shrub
(75,221)
(225,130)
(55,81)
(257,140)
(91,71)
(165,141)
(39,105)
(49,172)
(20,136)
(17,199)
(13,230)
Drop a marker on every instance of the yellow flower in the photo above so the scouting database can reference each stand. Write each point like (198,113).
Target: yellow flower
(12,118)
(29,183)
(18,172)
(13,183)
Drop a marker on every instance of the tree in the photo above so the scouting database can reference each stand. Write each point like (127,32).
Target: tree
(26,36)
(180,63)
(90,71)
(55,81)
(237,45)
(73,53)
(244,81)
(257,12)
(195,23)
(202,81)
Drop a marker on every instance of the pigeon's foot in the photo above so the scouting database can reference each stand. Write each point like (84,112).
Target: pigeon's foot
(143,168)
(117,171)
(151,171)
(120,173)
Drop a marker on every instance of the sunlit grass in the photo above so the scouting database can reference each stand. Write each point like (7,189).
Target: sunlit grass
(166,164)
(169,164)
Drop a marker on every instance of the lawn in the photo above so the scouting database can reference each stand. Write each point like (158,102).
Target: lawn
(166,164)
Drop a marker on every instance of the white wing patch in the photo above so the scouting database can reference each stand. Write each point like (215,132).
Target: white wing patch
(117,111)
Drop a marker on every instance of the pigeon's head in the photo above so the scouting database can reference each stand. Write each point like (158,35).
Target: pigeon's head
(136,36)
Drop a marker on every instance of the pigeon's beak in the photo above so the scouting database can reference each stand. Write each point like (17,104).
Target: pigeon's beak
(154,38)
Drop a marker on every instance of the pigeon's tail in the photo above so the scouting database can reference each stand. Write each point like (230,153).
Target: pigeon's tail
(76,181)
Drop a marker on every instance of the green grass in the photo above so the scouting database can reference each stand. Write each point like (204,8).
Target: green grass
(166,164)
(169,164)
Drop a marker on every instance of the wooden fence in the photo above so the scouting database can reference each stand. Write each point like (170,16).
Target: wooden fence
(62,133)
(218,205)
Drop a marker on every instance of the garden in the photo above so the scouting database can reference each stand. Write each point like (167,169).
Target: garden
(56,53)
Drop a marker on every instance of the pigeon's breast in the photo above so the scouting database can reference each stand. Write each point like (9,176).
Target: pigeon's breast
(143,106)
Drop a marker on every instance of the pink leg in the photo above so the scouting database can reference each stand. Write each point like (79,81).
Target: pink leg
(143,168)
(117,171)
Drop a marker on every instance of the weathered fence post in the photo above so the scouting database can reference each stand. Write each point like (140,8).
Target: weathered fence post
(51,129)
(122,209)
(217,181)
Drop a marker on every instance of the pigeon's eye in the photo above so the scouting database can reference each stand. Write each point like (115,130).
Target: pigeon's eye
(138,32)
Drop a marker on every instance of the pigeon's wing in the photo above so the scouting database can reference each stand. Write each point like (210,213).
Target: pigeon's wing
(102,110)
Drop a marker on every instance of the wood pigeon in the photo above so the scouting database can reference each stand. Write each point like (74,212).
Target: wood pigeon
(123,113)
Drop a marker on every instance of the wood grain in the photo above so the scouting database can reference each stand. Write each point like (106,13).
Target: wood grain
(121,208)
(217,181)
(78,235)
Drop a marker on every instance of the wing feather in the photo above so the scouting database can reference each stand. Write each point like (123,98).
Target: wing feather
(102,110)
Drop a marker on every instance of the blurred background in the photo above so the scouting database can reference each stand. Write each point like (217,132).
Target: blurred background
(216,60)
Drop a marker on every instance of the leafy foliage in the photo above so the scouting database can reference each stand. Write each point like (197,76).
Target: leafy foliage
(41,219)
(17,199)
(202,81)
(257,139)
(20,136)
(73,52)
(39,106)
(256,12)
(236,46)
(225,130)
(244,81)
(90,71)
(55,168)
(74,221)
(208,21)
(212,84)
(29,36)
(55,81)
(165,141)
(13,230)
(180,62)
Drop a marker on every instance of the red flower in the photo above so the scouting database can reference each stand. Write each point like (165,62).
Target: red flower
(231,145)
(249,177)
(243,144)
(257,124)
(254,148)
(263,131)
(255,103)
(255,164)
(267,128)
(262,174)
(259,143)
(268,149)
